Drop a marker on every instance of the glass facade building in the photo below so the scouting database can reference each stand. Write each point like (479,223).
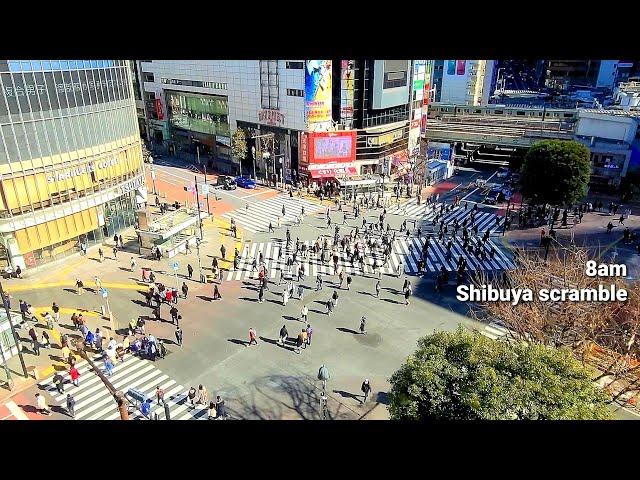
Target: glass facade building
(71,170)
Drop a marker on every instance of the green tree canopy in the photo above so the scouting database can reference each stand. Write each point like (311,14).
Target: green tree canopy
(465,376)
(556,172)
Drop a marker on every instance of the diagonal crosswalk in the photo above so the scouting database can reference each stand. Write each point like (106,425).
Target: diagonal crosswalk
(411,209)
(257,218)
(405,251)
(95,402)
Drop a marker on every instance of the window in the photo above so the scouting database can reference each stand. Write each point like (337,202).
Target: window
(295,65)
(148,77)
(194,83)
(498,112)
(150,96)
(146,61)
(520,113)
(269,84)
(293,92)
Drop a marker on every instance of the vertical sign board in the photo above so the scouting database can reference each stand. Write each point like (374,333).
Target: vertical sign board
(346,91)
(317,91)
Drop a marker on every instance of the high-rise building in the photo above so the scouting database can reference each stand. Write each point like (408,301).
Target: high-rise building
(328,118)
(464,82)
(562,74)
(71,170)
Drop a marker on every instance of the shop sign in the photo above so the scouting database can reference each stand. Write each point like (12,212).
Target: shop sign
(303,158)
(415,124)
(271,117)
(81,170)
(131,185)
(385,139)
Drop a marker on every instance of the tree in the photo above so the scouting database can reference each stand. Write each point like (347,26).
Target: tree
(465,376)
(556,172)
(239,146)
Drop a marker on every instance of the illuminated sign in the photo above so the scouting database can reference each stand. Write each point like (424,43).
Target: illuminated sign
(317,91)
(328,147)
(271,117)
(386,139)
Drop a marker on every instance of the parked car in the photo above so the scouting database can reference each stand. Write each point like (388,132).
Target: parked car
(245,182)
(497,194)
(226,182)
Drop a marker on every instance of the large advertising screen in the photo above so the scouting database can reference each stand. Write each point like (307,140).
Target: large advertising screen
(346,89)
(327,147)
(317,91)
(207,114)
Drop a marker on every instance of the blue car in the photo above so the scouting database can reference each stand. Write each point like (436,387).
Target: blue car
(245,182)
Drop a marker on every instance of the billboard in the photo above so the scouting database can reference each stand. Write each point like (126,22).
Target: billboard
(346,89)
(439,150)
(317,91)
(328,147)
(200,113)
(456,67)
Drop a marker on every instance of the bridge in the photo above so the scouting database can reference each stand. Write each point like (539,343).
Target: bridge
(501,131)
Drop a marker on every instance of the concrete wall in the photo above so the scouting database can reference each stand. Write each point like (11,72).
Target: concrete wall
(612,127)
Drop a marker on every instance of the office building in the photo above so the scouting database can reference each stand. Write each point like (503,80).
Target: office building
(71,168)
(463,82)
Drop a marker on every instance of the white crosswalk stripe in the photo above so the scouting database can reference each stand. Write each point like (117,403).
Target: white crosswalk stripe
(411,209)
(405,251)
(261,213)
(95,402)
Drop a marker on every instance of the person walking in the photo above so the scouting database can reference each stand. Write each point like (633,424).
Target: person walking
(115,252)
(58,380)
(98,284)
(41,404)
(223,251)
(261,294)
(366,390)
(185,289)
(407,294)
(159,395)
(220,408)
(133,264)
(75,376)
(203,395)
(363,322)
(335,297)
(189,271)
(79,286)
(98,340)
(108,365)
(71,405)
(304,313)
(284,334)
(304,338)
(192,397)
(309,334)
(101,255)
(34,340)
(174,314)
(349,280)
(329,306)
(299,342)
(216,293)
(178,334)
(252,337)
(378,289)
(285,297)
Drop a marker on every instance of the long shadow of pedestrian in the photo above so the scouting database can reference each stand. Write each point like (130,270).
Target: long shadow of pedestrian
(367,293)
(250,299)
(28,408)
(269,340)
(238,341)
(317,311)
(392,301)
(277,302)
(289,317)
(344,394)
(70,290)
(204,297)
(347,330)
(140,302)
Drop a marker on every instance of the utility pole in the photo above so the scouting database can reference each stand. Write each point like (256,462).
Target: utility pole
(207,189)
(198,203)
(16,339)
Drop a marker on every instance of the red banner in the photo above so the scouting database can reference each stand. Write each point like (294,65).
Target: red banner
(329,147)
(159,110)
(333,172)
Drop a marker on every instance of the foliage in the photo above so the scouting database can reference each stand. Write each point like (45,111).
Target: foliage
(239,144)
(556,172)
(466,376)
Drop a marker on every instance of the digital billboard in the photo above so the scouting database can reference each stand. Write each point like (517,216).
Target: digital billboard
(346,89)
(327,147)
(317,91)
(198,113)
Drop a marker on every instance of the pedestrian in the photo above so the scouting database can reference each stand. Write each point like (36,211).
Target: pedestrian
(304,313)
(108,365)
(189,271)
(335,297)
(300,292)
(261,294)
(285,297)
(98,340)
(174,314)
(174,295)
(282,340)
(304,338)
(34,340)
(252,337)
(203,395)
(178,334)
(366,389)
(58,380)
(407,294)
(220,408)
(329,306)
(211,414)
(41,403)
(79,286)
(223,251)
(185,290)
(348,282)
(71,405)
(121,242)
(309,334)
(216,293)
(299,342)
(192,396)
(75,376)
(378,289)
(115,253)
(363,322)
(101,254)
(133,264)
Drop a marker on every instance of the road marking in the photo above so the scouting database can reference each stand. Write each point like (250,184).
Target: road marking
(39,286)
(16,411)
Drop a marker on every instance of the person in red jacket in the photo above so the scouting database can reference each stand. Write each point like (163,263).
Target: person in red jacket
(75,375)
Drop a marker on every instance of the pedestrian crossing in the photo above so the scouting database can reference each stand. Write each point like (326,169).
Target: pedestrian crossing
(427,213)
(95,402)
(405,252)
(260,214)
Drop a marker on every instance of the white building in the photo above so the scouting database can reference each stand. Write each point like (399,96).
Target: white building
(467,82)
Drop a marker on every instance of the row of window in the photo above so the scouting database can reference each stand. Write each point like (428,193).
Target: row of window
(34,65)
(295,92)
(190,83)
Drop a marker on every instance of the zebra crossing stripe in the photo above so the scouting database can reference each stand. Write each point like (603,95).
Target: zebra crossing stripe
(268,211)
